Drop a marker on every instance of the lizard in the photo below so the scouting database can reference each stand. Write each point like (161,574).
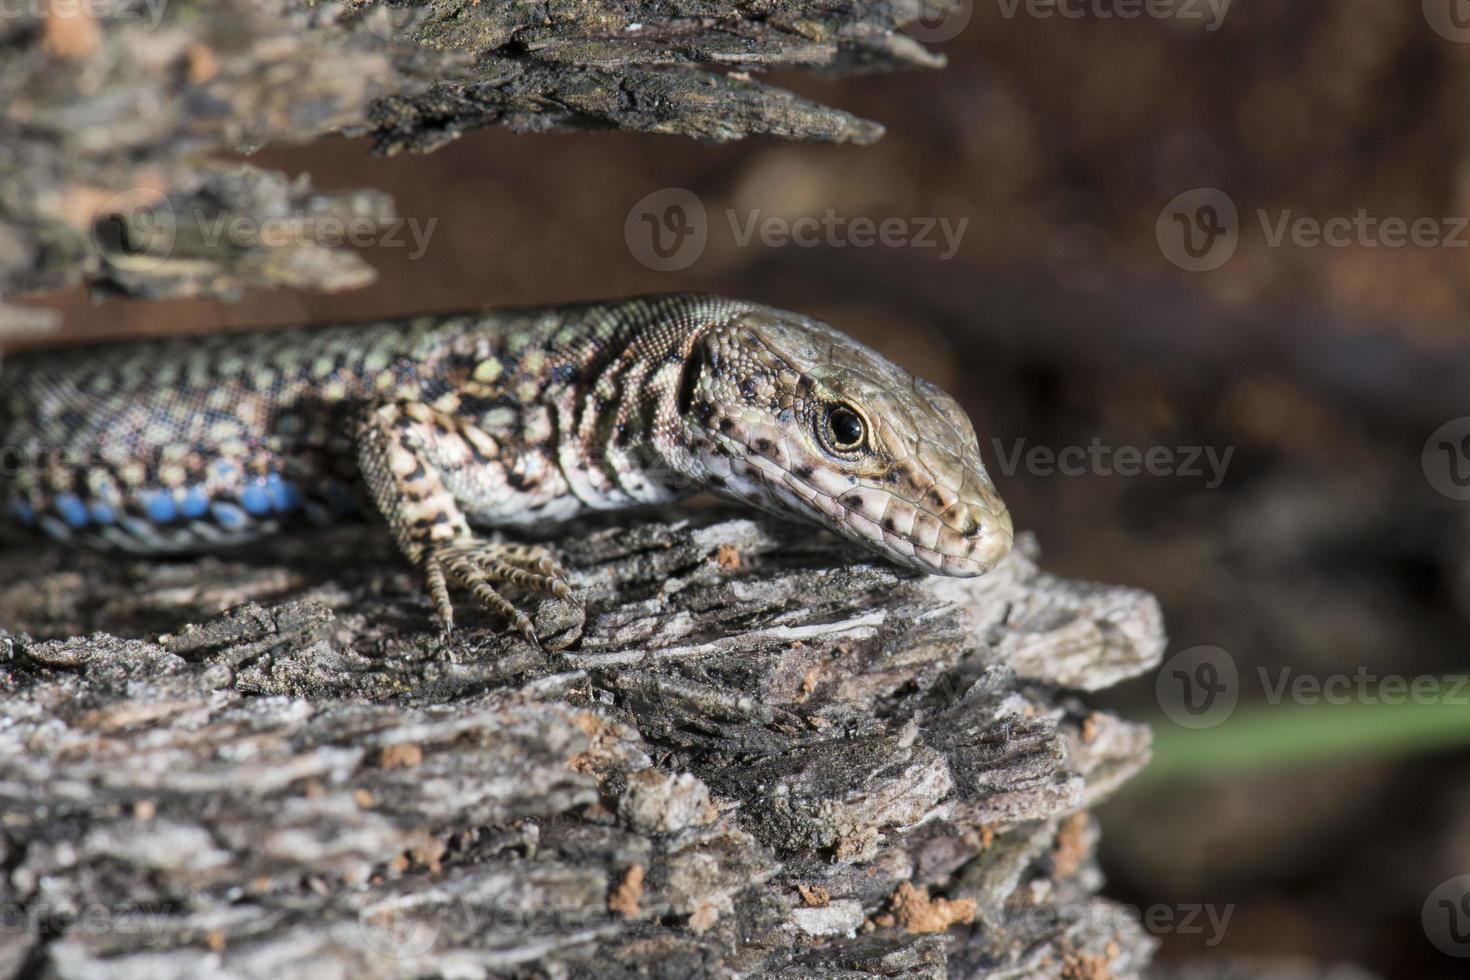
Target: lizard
(448,424)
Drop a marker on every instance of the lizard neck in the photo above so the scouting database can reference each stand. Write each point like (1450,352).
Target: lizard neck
(630,443)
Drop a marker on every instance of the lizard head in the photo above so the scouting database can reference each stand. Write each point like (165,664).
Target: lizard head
(785,413)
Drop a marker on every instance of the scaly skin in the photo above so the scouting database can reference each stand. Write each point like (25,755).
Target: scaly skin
(505,419)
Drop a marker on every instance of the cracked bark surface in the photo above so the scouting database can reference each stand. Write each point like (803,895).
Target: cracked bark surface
(111,126)
(767,755)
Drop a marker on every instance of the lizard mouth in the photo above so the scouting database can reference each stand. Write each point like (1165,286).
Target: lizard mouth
(967,539)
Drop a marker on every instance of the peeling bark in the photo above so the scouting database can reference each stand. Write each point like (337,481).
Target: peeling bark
(766,754)
(105,123)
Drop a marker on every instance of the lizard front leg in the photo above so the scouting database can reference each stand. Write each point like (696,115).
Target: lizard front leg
(407,452)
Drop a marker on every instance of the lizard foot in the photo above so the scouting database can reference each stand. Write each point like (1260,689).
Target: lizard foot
(481,565)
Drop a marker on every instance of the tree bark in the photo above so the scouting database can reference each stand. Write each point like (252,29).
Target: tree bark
(106,121)
(760,753)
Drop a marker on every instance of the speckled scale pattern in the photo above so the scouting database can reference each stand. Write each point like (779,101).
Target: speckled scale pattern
(443,424)
(175,444)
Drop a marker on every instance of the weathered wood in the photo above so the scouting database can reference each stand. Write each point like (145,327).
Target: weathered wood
(105,121)
(766,755)
(760,753)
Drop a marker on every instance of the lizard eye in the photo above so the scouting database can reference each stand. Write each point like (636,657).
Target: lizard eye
(844,429)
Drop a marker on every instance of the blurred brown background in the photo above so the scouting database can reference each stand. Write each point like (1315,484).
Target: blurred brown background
(1062,320)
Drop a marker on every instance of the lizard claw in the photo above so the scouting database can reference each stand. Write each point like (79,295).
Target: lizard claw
(479,566)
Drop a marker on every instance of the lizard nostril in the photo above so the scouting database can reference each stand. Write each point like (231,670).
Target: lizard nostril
(969,523)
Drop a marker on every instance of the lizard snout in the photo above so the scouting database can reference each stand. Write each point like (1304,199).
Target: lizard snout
(974,535)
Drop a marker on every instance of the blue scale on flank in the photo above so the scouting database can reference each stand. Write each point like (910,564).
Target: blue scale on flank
(254,499)
(159,506)
(21,512)
(72,510)
(68,512)
(271,495)
(194,502)
(259,498)
(284,496)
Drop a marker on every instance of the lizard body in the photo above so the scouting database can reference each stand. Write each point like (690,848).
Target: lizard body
(505,419)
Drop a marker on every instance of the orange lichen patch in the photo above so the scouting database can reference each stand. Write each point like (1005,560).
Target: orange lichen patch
(1071,847)
(815,896)
(364,798)
(597,813)
(1089,728)
(123,717)
(854,843)
(216,941)
(914,911)
(589,724)
(428,853)
(727,557)
(624,898)
(203,65)
(72,33)
(704,917)
(1086,966)
(595,729)
(405,755)
(79,204)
